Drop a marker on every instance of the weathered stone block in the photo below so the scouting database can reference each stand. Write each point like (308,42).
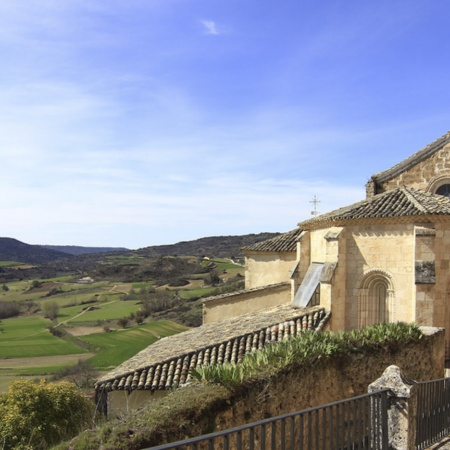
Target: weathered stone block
(425,272)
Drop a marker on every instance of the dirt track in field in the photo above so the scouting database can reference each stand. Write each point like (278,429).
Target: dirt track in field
(84,331)
(42,361)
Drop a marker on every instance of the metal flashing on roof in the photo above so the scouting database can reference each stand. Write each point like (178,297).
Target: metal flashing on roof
(309,285)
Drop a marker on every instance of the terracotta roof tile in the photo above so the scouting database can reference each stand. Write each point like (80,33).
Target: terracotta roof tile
(400,202)
(286,242)
(166,363)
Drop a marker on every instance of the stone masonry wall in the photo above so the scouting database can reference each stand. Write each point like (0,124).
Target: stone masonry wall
(390,250)
(238,303)
(263,269)
(423,174)
(441,312)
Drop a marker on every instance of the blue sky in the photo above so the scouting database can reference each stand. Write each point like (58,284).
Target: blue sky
(145,122)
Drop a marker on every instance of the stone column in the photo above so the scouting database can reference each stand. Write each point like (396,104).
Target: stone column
(401,408)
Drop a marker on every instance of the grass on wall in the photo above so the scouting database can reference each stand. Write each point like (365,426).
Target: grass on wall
(308,349)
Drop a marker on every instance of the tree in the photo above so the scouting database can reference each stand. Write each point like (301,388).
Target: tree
(212,278)
(50,309)
(139,317)
(123,322)
(83,375)
(40,415)
(9,309)
(35,284)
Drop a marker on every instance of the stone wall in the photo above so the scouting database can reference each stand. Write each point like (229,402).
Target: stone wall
(262,269)
(388,249)
(306,387)
(217,309)
(334,380)
(441,312)
(425,175)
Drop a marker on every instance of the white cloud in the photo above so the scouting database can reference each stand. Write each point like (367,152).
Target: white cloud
(210,27)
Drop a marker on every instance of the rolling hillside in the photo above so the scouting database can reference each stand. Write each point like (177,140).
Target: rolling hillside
(217,246)
(214,246)
(14,250)
(78,250)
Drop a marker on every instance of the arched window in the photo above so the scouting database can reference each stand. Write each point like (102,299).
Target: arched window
(440,185)
(444,190)
(375,299)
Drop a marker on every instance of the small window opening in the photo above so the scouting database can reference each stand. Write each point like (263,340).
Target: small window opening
(315,299)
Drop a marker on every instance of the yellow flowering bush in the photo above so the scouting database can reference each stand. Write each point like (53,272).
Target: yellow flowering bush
(39,415)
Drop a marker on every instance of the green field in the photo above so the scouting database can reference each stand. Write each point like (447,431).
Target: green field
(28,349)
(27,337)
(109,310)
(21,291)
(197,292)
(118,346)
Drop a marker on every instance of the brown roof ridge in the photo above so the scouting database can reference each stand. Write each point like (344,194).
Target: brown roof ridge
(396,203)
(412,160)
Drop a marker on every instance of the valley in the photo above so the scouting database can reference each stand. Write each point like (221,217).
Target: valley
(98,310)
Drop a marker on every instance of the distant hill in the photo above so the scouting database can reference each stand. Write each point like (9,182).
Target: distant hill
(218,246)
(80,258)
(77,250)
(14,250)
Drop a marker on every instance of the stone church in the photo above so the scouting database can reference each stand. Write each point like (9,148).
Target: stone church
(383,259)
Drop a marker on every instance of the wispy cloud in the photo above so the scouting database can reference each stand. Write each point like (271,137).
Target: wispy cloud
(210,27)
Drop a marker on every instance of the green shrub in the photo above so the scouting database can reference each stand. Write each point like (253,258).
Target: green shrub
(50,309)
(39,415)
(9,309)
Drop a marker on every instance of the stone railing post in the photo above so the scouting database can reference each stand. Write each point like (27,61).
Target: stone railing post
(401,408)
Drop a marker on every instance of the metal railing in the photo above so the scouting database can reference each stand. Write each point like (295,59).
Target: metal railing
(433,412)
(356,423)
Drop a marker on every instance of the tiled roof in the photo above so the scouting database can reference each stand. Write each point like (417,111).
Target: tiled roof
(286,242)
(167,362)
(401,202)
(412,160)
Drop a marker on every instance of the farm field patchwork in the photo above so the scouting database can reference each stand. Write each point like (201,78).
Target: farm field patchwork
(90,313)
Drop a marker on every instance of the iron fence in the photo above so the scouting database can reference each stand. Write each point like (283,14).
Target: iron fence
(433,412)
(356,423)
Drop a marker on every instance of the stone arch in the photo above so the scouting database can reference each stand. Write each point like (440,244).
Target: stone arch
(440,185)
(376,298)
